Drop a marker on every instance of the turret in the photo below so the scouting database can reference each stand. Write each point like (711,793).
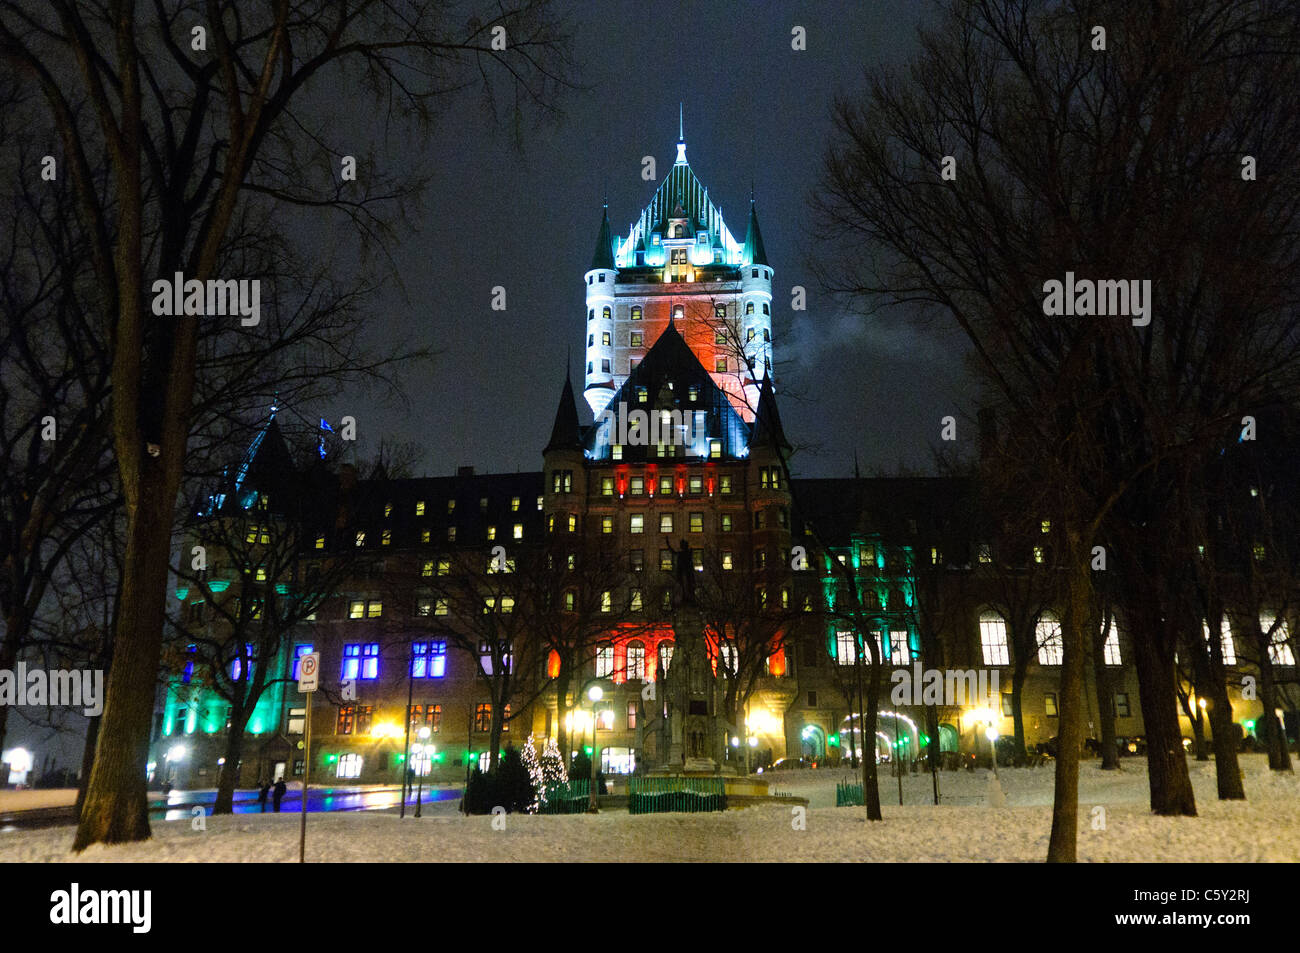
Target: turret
(599,353)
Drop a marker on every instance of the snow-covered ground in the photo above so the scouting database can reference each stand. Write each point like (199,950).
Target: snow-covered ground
(963,827)
(29,799)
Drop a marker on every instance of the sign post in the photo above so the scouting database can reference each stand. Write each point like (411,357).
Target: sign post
(308,681)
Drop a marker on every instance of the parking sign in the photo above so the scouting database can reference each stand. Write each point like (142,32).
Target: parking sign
(309,672)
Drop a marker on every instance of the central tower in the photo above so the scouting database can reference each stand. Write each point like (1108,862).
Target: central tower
(680,264)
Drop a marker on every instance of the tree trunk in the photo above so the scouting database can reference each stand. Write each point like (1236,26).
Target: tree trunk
(1171,787)
(1223,730)
(562,711)
(1017,713)
(1279,758)
(1105,697)
(871,776)
(1062,846)
(87,761)
(115,808)
(229,776)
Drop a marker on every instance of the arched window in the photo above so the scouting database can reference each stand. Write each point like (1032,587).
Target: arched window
(679,311)
(767,308)
(636,312)
(604,660)
(678,231)
(605,313)
(636,660)
(993,639)
(665,652)
(749,307)
(1047,634)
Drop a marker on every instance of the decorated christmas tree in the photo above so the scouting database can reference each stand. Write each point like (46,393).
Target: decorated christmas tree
(553,770)
(535,774)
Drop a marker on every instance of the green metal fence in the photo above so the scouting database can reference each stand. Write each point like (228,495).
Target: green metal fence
(570,798)
(848,795)
(685,795)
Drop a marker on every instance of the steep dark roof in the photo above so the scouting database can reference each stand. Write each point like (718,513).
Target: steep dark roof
(604,255)
(755,254)
(668,374)
(767,429)
(566,433)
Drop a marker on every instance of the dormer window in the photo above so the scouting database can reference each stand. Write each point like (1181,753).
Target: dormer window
(678,231)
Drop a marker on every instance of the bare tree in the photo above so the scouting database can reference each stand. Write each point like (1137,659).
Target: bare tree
(196,123)
(1070,159)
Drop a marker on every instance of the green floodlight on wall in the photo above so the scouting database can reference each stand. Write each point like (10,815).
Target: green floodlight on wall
(833,740)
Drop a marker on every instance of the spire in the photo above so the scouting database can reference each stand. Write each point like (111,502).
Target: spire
(755,254)
(566,433)
(604,256)
(767,429)
(681,135)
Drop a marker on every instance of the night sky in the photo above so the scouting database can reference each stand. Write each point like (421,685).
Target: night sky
(755,111)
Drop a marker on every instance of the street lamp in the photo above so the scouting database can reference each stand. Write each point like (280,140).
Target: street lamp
(991,733)
(418,749)
(595,693)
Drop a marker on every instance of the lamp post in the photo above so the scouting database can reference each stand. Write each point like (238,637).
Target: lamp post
(595,693)
(418,749)
(991,733)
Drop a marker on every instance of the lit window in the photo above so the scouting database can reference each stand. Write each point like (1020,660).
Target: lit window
(514,504)
(606,486)
(426,536)
(606,601)
(637,487)
(636,339)
(636,312)
(419,507)
(636,660)
(298,652)
(428,659)
(604,660)
(993,639)
(1049,704)
(697,522)
(320,542)
(573,523)
(695,485)
(349,766)
(444,567)
(727,560)
(491,533)
(985,554)
(899,651)
(1046,526)
(1110,649)
(607,524)
(634,600)
(451,534)
(715,449)
(666,560)
(665,522)
(846,648)
(451,507)
(361,537)
(665,485)
(1048,635)
(1226,644)
(388,510)
(636,523)
(604,338)
(261,574)
(441,607)
(517,531)
(483,717)
(1038,554)
(720,365)
(1279,648)
(616,451)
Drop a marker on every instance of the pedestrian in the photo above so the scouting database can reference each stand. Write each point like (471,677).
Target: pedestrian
(264,788)
(278,796)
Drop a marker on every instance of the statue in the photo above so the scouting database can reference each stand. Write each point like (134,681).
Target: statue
(685,567)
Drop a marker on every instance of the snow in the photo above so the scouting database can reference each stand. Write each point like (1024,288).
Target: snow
(30,799)
(964,827)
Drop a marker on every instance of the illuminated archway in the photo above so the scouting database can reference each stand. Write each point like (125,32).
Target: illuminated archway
(908,737)
(813,739)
